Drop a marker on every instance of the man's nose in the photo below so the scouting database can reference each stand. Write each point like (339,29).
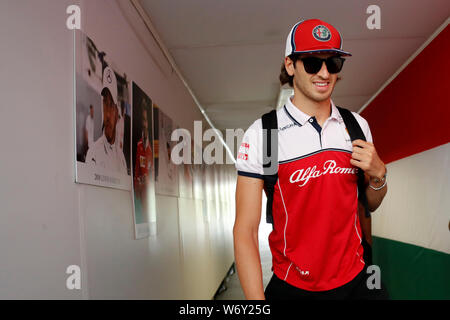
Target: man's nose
(323,72)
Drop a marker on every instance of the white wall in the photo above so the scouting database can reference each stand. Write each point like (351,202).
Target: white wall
(415,210)
(47,221)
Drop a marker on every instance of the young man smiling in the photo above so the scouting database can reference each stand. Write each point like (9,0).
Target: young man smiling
(316,238)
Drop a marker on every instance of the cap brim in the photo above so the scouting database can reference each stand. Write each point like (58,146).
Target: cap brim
(340,52)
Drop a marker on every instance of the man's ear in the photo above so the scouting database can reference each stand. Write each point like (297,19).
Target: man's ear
(289,65)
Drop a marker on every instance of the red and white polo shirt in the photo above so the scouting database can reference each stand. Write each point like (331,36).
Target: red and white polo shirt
(316,239)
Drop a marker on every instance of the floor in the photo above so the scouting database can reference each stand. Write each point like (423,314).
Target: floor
(231,287)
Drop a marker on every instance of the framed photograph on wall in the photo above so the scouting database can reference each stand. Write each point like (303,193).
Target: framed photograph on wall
(166,171)
(143,190)
(102,113)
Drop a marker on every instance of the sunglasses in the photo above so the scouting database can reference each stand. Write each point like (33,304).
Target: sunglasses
(314,64)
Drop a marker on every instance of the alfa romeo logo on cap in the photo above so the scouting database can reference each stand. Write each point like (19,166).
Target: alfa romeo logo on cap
(321,33)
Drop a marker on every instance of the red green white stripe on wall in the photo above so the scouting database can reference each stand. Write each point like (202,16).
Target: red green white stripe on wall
(409,123)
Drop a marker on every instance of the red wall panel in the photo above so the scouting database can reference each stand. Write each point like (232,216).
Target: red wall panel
(412,114)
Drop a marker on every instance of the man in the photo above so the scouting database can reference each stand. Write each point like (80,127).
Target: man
(316,238)
(105,153)
(144,162)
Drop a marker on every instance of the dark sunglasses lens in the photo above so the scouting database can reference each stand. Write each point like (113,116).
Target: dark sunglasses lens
(334,64)
(312,64)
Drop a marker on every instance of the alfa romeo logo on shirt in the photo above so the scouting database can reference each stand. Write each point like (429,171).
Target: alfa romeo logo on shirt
(321,33)
(302,176)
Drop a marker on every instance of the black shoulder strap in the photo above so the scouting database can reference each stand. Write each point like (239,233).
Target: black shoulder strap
(270,153)
(270,158)
(355,132)
(353,127)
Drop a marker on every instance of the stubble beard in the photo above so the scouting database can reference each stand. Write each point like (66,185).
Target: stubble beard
(307,92)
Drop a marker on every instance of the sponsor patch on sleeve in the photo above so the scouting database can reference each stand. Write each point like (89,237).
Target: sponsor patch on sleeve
(243,151)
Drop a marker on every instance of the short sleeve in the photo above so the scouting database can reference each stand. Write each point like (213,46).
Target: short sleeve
(249,157)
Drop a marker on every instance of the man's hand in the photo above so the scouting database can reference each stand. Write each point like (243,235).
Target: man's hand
(365,157)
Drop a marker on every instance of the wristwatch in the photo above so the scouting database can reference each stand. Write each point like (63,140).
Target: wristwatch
(376,180)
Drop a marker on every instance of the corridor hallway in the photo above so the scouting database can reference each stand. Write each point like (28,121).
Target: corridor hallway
(121,122)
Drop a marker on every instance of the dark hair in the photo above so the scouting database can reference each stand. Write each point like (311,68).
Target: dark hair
(285,77)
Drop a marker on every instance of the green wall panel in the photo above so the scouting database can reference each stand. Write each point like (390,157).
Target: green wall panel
(412,272)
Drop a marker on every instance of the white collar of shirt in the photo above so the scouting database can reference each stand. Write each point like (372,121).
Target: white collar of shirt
(301,117)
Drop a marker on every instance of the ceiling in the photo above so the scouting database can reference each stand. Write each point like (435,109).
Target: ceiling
(230,51)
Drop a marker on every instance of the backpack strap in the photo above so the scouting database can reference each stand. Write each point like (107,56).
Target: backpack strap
(270,158)
(355,132)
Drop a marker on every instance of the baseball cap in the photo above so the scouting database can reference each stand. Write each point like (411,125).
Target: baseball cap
(110,83)
(314,36)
